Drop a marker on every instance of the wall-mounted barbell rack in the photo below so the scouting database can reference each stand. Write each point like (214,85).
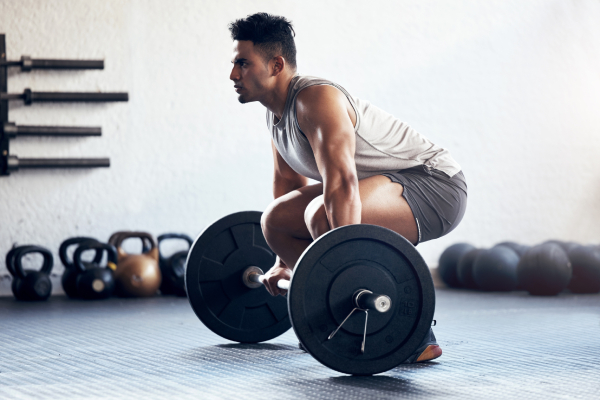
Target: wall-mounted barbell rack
(9,130)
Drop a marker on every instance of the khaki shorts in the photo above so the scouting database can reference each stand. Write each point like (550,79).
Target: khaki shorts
(437,201)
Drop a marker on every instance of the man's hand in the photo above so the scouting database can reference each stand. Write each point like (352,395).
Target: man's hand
(278,272)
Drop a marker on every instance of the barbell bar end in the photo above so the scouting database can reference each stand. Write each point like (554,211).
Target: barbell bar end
(367,300)
(252,279)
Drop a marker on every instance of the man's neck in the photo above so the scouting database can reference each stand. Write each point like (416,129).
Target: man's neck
(276,100)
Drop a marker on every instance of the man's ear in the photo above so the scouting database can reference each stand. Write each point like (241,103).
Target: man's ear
(277,65)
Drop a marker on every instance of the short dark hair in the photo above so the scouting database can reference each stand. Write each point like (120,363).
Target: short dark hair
(271,34)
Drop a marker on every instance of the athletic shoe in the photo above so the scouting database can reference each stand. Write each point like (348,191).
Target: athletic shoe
(428,350)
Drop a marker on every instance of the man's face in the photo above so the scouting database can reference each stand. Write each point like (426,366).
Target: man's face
(250,73)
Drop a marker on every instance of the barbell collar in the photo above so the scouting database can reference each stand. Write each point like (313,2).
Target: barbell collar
(367,300)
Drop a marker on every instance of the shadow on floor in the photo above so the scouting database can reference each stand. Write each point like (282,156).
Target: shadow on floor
(257,346)
(376,386)
(242,353)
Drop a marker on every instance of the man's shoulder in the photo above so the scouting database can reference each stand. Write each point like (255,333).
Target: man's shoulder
(317,92)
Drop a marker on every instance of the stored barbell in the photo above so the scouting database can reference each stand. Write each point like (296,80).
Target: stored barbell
(360,298)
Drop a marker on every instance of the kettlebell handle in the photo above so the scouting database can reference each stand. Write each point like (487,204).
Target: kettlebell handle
(111,253)
(146,245)
(10,259)
(147,238)
(18,259)
(166,236)
(62,251)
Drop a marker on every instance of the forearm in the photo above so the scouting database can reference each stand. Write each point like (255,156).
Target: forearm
(342,204)
(283,186)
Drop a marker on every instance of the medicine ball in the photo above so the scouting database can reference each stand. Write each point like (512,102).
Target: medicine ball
(520,249)
(495,269)
(544,270)
(585,261)
(449,260)
(566,246)
(464,269)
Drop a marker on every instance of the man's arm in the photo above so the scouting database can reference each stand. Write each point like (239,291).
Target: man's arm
(323,115)
(285,179)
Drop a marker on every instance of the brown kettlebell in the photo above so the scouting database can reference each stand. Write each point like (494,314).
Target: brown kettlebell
(137,275)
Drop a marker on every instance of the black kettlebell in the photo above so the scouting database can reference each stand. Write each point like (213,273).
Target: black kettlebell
(172,268)
(30,285)
(94,281)
(69,277)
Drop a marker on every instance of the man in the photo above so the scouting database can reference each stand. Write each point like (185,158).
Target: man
(372,168)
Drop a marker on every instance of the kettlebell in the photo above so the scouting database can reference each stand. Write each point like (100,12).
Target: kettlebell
(173,267)
(94,281)
(69,277)
(30,285)
(137,275)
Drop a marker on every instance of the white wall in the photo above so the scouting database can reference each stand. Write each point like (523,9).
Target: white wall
(511,87)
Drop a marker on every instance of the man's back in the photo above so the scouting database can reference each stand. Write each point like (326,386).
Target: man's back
(383,142)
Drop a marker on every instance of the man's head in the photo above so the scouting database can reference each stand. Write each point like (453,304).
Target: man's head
(264,48)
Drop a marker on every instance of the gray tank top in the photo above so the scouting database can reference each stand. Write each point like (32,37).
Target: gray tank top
(383,143)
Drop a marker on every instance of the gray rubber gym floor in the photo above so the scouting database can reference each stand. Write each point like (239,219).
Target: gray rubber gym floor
(495,346)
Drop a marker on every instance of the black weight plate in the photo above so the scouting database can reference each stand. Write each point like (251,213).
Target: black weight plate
(213,280)
(332,270)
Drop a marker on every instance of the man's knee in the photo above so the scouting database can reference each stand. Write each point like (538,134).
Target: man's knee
(271,217)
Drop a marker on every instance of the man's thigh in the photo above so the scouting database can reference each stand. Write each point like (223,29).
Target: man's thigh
(382,205)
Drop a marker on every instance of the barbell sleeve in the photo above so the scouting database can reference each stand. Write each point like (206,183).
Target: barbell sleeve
(281,284)
(30,97)
(367,300)
(15,163)
(13,130)
(27,64)
(80,96)
(64,64)
(11,96)
(4,64)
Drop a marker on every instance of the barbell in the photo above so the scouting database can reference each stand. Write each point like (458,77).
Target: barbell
(253,277)
(360,299)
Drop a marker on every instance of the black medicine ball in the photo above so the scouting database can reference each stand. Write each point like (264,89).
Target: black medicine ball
(496,269)
(520,249)
(464,269)
(586,269)
(449,260)
(544,270)
(566,246)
